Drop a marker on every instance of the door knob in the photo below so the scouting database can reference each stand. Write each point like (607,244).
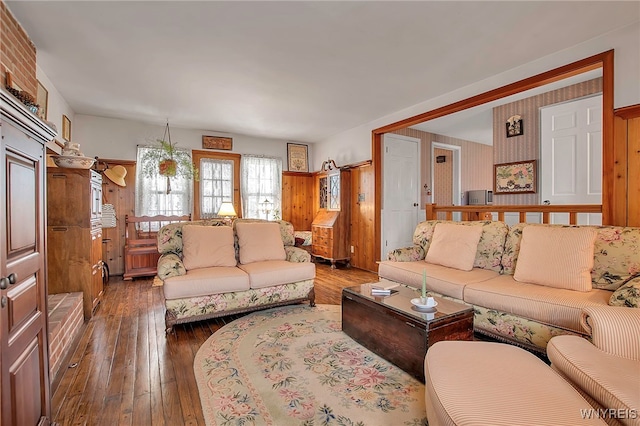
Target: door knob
(415,204)
(4,283)
(13,278)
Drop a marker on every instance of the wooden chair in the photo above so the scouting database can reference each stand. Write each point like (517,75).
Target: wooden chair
(141,243)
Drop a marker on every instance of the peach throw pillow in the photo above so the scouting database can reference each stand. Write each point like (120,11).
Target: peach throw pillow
(207,246)
(556,257)
(454,245)
(259,241)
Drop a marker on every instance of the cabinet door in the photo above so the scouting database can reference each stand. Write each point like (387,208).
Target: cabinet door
(96,198)
(24,360)
(96,269)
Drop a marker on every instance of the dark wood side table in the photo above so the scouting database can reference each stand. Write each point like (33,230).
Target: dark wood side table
(393,328)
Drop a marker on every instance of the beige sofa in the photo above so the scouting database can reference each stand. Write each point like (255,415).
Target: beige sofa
(211,270)
(507,305)
(606,371)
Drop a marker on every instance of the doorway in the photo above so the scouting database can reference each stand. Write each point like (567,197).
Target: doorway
(571,156)
(446,176)
(401,191)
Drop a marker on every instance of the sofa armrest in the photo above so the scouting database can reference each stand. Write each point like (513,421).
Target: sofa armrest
(297,255)
(406,254)
(613,329)
(170,265)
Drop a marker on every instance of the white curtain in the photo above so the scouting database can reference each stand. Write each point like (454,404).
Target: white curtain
(261,181)
(151,192)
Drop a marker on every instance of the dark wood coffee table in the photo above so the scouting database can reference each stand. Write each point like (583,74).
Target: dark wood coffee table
(393,328)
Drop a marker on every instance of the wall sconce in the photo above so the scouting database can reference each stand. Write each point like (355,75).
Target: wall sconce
(227,212)
(328,164)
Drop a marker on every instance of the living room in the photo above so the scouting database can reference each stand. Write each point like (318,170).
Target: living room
(114,138)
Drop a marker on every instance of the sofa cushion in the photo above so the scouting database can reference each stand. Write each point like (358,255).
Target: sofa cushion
(552,306)
(454,245)
(273,272)
(206,281)
(259,241)
(170,236)
(556,257)
(610,380)
(441,279)
(490,247)
(616,254)
(628,294)
(207,246)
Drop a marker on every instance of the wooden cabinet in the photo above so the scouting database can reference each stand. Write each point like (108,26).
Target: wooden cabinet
(330,228)
(74,231)
(24,348)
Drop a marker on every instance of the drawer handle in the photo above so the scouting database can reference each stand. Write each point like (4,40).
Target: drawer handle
(60,228)
(410,323)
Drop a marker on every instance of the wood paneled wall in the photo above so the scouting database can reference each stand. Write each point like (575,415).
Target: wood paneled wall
(362,218)
(626,185)
(124,203)
(298,199)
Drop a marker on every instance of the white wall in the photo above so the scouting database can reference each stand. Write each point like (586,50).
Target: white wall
(354,145)
(56,105)
(117,139)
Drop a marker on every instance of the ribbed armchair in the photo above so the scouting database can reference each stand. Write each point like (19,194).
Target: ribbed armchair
(607,369)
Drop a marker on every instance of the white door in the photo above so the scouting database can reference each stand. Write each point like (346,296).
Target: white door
(571,156)
(401,191)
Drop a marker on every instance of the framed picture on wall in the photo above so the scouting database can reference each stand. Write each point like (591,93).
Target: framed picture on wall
(515,178)
(66,128)
(42,99)
(298,157)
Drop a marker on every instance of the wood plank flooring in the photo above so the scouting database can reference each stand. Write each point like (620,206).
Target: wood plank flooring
(126,371)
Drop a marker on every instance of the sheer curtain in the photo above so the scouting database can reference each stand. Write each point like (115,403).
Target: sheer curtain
(151,192)
(261,179)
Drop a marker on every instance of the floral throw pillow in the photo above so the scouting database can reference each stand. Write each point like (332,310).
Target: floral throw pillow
(628,294)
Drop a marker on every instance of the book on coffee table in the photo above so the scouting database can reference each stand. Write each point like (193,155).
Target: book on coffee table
(383,285)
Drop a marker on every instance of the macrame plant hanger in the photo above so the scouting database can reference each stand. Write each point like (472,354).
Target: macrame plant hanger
(167,134)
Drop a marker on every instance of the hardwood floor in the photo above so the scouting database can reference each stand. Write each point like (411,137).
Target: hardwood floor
(126,371)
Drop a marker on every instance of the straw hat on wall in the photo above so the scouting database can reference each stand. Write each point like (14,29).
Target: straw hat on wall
(116,175)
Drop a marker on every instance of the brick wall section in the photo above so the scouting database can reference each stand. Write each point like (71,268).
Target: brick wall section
(66,317)
(17,53)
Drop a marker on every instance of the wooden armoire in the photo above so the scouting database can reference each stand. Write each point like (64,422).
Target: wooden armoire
(24,349)
(74,234)
(330,229)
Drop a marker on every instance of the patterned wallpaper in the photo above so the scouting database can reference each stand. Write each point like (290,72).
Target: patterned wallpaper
(527,146)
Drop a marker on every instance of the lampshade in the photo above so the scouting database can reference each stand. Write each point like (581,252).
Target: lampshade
(226,209)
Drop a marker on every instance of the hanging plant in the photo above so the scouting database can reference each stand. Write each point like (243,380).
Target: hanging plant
(168,161)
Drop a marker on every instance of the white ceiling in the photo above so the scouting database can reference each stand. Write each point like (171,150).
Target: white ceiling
(300,71)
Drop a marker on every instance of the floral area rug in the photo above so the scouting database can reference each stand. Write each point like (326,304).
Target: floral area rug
(294,366)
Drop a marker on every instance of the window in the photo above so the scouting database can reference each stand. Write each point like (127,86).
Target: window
(261,181)
(219,181)
(151,192)
(216,183)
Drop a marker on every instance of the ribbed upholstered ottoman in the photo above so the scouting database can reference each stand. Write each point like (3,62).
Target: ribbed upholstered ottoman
(485,383)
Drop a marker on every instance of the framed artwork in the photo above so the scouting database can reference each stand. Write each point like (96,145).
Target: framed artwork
(66,128)
(515,178)
(515,126)
(298,157)
(42,99)
(217,142)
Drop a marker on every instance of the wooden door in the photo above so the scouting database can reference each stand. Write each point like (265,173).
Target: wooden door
(24,368)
